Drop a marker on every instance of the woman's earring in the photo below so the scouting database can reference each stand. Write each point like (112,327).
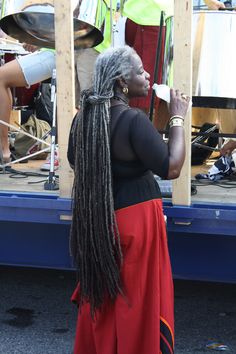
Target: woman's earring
(125,90)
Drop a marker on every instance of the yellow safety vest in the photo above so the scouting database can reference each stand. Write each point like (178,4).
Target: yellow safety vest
(147,12)
(106,43)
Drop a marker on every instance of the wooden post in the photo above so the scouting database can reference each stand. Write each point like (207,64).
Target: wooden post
(183,81)
(64,37)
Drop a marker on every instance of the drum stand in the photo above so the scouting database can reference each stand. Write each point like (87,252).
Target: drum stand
(8,164)
(51,183)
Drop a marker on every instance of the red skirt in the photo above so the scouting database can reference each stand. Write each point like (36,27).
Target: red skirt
(142,322)
(144,40)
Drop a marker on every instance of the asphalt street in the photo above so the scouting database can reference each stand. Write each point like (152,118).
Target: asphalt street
(36,316)
(205,313)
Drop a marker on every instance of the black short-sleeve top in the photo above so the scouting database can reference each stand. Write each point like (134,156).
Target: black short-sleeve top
(137,152)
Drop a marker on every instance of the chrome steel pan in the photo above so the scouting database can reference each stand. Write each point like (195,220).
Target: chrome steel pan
(32,21)
(214,54)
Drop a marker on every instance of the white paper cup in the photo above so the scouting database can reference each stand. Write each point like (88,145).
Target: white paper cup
(162,91)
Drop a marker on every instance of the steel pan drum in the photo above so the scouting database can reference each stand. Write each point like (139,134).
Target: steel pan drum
(32,21)
(214,54)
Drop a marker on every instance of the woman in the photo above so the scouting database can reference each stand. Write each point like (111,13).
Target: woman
(118,234)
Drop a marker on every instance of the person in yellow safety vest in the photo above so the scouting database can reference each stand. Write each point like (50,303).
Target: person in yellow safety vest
(147,12)
(141,33)
(85,59)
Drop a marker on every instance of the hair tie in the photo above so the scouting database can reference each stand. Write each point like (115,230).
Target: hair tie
(96,99)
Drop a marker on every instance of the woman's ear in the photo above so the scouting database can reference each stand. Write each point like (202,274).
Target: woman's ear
(121,82)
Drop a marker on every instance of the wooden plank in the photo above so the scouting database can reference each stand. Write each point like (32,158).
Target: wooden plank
(197,53)
(65,87)
(15,118)
(183,81)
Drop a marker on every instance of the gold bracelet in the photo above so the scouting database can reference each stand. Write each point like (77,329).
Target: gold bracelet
(176,116)
(176,122)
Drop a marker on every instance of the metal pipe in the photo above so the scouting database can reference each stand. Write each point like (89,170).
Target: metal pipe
(157,62)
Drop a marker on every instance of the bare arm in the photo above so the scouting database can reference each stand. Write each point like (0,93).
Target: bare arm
(228,147)
(214,4)
(77,9)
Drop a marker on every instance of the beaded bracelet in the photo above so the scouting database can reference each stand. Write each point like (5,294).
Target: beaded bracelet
(176,122)
(176,116)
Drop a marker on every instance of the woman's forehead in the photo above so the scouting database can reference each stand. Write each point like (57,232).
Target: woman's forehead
(136,61)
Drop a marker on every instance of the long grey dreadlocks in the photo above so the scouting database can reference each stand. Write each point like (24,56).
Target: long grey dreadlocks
(95,243)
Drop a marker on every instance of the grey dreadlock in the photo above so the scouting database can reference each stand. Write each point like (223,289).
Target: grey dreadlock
(95,243)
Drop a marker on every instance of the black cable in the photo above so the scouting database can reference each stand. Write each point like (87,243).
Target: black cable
(44,180)
(223,183)
(21,174)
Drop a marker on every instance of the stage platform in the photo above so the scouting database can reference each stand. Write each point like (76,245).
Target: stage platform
(28,178)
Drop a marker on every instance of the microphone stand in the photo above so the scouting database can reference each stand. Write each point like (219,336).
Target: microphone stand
(51,183)
(1,160)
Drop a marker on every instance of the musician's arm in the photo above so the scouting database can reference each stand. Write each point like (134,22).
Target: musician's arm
(77,9)
(214,4)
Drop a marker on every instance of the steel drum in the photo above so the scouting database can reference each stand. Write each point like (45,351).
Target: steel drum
(32,22)
(214,55)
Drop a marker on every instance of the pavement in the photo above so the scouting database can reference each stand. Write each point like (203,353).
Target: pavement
(205,313)
(37,317)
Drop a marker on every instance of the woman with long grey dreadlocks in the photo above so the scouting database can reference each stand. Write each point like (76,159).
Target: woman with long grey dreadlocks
(118,234)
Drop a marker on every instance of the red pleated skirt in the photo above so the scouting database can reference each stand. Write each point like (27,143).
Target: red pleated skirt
(142,322)
(144,40)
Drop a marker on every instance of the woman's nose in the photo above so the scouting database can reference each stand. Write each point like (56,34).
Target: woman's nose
(147,75)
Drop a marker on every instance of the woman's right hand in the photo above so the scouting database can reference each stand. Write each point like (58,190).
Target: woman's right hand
(179,103)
